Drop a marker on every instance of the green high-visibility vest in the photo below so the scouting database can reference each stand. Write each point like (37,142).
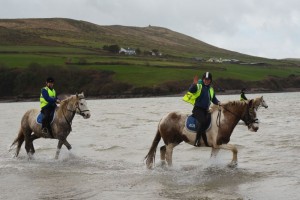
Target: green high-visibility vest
(242,98)
(191,97)
(51,93)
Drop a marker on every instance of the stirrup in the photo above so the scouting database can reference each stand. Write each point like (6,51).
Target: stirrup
(45,132)
(197,143)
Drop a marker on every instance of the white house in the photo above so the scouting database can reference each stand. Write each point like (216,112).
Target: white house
(127,51)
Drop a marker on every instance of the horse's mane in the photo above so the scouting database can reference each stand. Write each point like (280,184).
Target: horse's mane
(71,97)
(65,102)
(227,104)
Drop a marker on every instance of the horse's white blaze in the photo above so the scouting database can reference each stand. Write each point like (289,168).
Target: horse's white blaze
(263,103)
(82,107)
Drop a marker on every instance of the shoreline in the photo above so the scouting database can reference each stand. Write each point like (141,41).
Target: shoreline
(13,99)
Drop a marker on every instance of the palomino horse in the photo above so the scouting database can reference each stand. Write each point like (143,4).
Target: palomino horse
(224,118)
(61,125)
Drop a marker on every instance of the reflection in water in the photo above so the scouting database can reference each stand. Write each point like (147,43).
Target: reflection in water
(106,161)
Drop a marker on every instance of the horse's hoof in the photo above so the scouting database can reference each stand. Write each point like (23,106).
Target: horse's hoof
(233,164)
(149,166)
(30,156)
(163,163)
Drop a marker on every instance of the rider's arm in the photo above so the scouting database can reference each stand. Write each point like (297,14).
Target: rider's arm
(193,88)
(215,100)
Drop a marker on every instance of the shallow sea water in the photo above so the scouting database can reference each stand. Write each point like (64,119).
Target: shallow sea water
(107,159)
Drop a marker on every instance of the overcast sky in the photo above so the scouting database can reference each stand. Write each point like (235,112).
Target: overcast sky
(265,28)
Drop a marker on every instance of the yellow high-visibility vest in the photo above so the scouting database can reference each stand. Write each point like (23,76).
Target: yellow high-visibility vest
(51,93)
(191,97)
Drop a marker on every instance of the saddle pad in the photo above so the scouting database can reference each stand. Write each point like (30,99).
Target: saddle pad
(192,124)
(39,118)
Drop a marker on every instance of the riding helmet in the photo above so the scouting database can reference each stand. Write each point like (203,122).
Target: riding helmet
(207,75)
(50,80)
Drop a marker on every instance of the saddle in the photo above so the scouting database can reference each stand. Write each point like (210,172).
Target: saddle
(40,116)
(192,124)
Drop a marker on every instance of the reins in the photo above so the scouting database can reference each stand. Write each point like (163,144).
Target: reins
(245,118)
(69,122)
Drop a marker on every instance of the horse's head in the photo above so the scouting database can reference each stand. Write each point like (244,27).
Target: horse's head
(250,116)
(260,102)
(81,106)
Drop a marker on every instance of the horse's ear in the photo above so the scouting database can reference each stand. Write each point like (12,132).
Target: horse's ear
(250,103)
(76,94)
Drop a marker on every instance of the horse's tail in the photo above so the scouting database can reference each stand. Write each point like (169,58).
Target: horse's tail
(18,142)
(150,157)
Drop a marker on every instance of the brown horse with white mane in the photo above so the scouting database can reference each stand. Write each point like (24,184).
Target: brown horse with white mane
(224,118)
(61,125)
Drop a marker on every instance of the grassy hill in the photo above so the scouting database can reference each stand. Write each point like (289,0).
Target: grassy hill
(81,34)
(65,46)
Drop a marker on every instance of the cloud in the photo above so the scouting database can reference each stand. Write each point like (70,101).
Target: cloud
(263,28)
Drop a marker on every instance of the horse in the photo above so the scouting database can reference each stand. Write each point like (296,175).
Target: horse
(224,118)
(61,124)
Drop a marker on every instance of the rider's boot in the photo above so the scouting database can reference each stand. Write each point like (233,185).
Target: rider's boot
(198,138)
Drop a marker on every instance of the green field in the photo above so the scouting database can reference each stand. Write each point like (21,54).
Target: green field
(139,71)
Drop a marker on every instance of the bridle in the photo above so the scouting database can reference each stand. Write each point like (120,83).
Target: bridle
(81,112)
(245,118)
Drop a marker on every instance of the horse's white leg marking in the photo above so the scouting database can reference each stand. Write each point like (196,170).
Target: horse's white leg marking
(169,153)
(59,145)
(234,150)
(30,155)
(163,154)
(214,152)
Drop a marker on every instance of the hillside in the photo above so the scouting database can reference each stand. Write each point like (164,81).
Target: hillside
(68,32)
(72,52)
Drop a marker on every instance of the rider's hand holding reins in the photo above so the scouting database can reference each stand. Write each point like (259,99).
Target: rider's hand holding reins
(219,105)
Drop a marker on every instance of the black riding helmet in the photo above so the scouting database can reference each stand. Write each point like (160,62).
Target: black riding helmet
(50,80)
(207,75)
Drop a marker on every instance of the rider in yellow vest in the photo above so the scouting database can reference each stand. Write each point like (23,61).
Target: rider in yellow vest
(201,94)
(48,100)
(243,97)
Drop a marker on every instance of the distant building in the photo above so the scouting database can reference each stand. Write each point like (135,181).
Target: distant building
(222,60)
(127,51)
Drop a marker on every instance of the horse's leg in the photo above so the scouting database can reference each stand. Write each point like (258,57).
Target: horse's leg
(169,153)
(234,150)
(66,143)
(59,145)
(28,143)
(19,141)
(163,154)
(32,138)
(214,152)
